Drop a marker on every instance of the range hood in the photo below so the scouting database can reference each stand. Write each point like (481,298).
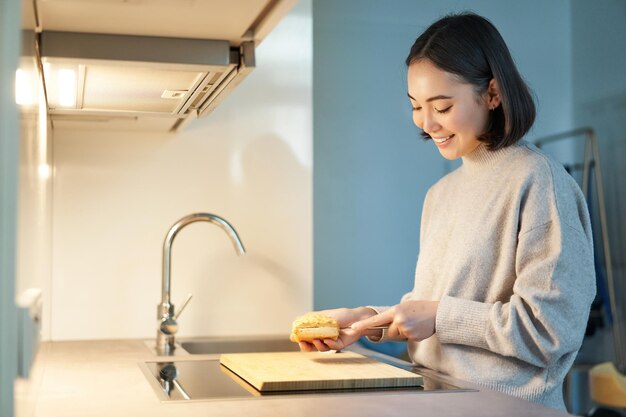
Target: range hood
(139,76)
(147,75)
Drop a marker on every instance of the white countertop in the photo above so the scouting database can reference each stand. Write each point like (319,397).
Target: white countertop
(103,378)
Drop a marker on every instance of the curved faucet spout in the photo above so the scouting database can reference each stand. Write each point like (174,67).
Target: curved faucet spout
(165,341)
(177,227)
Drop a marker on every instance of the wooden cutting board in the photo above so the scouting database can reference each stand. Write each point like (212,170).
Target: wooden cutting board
(296,371)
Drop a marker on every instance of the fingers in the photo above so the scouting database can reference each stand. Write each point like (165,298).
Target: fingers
(324,345)
(393,332)
(306,347)
(318,345)
(334,344)
(381,319)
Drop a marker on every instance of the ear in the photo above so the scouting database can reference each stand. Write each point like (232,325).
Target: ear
(492,95)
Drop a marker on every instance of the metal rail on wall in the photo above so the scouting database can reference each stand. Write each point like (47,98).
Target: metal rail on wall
(591,160)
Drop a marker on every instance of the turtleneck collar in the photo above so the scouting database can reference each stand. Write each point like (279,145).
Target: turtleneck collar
(481,157)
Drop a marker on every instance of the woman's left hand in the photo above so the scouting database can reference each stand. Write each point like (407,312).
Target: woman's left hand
(413,320)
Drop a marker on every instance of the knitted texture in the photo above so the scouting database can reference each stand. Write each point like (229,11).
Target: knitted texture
(506,247)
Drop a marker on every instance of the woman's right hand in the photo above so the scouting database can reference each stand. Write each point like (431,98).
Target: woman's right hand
(345,317)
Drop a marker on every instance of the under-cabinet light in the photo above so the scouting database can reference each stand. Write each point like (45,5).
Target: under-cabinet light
(67,87)
(24,88)
(44,171)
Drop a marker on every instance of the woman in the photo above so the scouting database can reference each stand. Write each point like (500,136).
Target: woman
(505,275)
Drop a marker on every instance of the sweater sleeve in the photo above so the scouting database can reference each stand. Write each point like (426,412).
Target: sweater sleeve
(546,315)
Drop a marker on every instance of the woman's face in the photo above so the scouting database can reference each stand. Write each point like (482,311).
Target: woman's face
(447,109)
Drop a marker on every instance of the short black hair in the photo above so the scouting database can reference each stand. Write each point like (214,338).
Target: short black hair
(470,46)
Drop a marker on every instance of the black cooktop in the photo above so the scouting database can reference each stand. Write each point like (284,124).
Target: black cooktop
(188,380)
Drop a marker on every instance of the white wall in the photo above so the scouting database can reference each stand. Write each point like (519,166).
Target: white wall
(34,225)
(117,193)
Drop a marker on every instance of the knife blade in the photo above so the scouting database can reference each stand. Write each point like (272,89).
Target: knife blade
(383,327)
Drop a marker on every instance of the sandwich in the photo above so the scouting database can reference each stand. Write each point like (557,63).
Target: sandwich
(313,326)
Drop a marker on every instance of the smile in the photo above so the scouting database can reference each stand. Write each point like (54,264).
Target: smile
(443,140)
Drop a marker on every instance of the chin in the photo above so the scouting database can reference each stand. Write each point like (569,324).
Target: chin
(449,155)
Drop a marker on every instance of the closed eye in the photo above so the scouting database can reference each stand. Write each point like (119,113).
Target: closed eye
(447,109)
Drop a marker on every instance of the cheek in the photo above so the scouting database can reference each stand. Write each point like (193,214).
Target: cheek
(417,120)
(480,121)
(472,121)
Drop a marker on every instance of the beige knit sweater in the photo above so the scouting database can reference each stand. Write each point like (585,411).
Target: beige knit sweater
(506,247)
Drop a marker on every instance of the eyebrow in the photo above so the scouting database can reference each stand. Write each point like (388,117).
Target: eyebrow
(439,97)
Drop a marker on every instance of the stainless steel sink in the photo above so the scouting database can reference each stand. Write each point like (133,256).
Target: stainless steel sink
(241,344)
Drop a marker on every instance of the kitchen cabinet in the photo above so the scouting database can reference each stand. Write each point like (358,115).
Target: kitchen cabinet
(153,65)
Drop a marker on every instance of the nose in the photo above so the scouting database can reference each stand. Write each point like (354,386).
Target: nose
(426,120)
(429,122)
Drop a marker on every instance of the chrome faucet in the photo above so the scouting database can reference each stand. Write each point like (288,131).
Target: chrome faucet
(167,325)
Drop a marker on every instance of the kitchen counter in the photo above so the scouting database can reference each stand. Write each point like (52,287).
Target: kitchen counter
(103,378)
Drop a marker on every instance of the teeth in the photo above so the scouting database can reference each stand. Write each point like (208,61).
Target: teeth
(442,140)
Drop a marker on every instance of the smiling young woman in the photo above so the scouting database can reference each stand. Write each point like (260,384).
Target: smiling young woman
(448,110)
(505,275)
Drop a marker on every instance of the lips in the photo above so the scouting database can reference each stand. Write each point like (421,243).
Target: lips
(443,140)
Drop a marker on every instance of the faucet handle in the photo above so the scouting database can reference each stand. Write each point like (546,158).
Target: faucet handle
(183,307)
(169,325)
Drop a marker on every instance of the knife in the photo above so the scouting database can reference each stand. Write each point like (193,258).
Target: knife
(383,327)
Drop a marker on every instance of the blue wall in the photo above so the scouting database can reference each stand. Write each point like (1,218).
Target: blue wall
(599,84)
(371,169)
